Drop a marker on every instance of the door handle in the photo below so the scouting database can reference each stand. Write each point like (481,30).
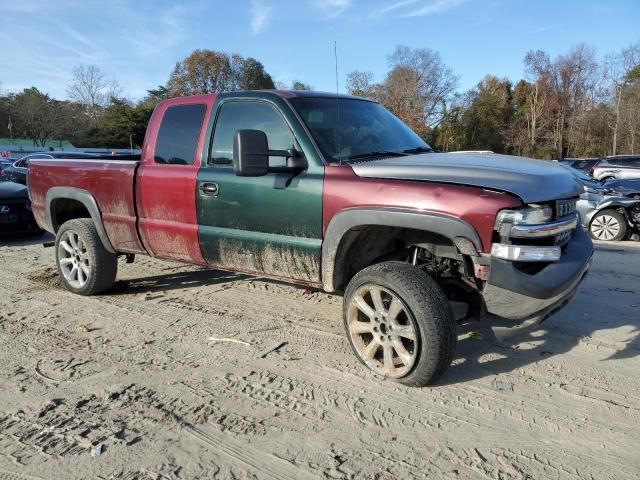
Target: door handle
(209,189)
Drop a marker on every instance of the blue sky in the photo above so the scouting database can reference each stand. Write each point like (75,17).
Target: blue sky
(138,42)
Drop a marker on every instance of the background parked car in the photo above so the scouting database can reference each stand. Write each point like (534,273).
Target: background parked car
(620,167)
(581,164)
(629,188)
(610,211)
(18,171)
(4,163)
(15,209)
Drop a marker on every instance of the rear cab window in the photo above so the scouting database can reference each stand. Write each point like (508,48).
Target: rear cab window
(178,135)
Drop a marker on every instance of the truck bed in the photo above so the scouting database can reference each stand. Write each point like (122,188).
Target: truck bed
(110,181)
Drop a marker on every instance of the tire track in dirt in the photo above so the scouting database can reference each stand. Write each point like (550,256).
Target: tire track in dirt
(255,461)
(250,412)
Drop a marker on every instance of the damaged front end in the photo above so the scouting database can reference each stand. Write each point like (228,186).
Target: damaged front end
(538,261)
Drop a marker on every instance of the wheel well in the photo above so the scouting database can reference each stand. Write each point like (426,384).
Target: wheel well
(65,209)
(368,244)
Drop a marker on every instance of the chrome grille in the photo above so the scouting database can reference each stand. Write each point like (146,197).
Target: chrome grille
(562,238)
(565,207)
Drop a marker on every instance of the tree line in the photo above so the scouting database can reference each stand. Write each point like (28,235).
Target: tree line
(573,105)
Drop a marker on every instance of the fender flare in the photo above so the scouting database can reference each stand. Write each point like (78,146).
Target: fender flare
(86,199)
(433,222)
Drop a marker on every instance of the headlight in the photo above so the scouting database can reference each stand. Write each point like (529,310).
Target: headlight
(520,253)
(533,215)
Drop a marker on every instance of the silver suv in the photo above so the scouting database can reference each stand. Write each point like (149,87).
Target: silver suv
(620,166)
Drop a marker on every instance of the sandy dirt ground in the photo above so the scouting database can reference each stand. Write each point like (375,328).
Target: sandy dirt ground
(133,376)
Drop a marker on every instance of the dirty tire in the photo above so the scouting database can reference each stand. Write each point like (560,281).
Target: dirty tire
(428,309)
(101,265)
(608,226)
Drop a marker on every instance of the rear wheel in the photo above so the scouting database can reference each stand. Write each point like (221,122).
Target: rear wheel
(399,323)
(84,265)
(609,226)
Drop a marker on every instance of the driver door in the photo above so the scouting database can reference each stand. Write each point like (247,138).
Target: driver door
(270,224)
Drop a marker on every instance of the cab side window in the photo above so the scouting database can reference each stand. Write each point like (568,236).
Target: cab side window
(243,115)
(178,135)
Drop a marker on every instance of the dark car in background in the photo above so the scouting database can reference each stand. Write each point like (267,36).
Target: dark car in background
(618,167)
(15,209)
(582,164)
(17,172)
(4,163)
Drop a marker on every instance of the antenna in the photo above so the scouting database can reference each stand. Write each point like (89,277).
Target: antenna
(335,54)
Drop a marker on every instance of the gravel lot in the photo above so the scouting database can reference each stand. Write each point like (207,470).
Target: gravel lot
(134,373)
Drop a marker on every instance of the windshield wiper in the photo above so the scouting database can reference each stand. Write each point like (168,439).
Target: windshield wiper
(377,153)
(419,150)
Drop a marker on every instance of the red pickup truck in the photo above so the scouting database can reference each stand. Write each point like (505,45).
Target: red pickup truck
(332,192)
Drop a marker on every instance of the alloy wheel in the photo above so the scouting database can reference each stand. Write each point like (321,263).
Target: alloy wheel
(73,259)
(383,331)
(605,227)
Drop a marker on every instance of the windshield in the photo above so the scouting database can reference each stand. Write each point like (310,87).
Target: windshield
(346,129)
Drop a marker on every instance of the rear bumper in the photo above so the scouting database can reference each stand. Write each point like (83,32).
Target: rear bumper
(532,297)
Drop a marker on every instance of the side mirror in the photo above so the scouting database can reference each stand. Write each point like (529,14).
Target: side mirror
(250,153)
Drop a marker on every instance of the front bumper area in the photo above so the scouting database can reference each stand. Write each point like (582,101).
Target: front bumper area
(530,298)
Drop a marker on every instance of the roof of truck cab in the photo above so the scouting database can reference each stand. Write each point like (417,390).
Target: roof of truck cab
(211,97)
(311,94)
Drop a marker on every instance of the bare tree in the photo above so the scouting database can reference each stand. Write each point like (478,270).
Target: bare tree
(630,113)
(434,81)
(617,67)
(92,88)
(360,83)
(538,70)
(577,77)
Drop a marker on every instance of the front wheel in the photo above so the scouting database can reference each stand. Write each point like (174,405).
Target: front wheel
(608,225)
(399,323)
(84,265)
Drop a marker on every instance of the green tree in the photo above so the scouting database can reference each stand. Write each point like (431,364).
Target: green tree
(207,71)
(36,116)
(298,85)
(249,74)
(488,115)
(122,124)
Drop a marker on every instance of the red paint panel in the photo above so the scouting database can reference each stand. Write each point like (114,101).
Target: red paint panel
(109,181)
(166,194)
(343,189)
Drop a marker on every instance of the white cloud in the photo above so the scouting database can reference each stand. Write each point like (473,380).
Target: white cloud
(333,7)
(435,7)
(392,7)
(76,35)
(260,16)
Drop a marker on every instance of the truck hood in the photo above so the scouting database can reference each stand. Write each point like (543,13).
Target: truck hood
(531,180)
